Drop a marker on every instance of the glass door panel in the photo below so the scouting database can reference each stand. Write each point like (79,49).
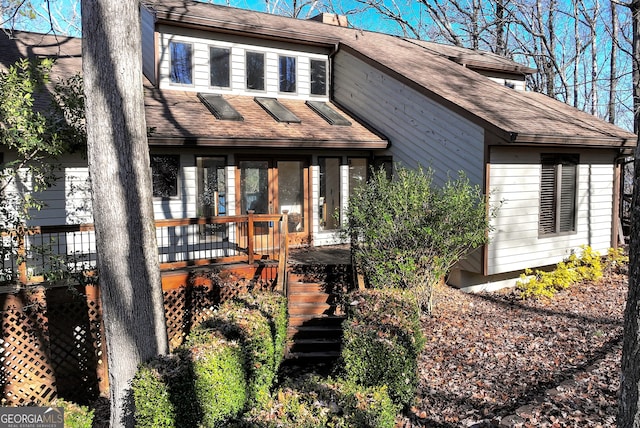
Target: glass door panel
(254,186)
(291,193)
(329,202)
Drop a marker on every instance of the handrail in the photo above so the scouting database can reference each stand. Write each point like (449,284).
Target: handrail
(237,243)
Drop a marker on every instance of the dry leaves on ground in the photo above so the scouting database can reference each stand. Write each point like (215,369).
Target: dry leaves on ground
(495,360)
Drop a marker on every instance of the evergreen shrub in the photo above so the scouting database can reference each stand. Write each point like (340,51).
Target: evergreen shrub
(382,341)
(259,324)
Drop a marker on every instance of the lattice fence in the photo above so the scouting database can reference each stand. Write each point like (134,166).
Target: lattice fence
(52,342)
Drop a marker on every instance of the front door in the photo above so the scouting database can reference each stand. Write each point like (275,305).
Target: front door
(273,186)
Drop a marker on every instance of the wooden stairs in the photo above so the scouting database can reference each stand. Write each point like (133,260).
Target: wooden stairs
(315,312)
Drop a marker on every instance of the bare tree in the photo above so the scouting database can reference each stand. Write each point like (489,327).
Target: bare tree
(629,404)
(118,158)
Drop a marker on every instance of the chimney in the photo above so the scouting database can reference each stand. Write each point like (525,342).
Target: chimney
(331,18)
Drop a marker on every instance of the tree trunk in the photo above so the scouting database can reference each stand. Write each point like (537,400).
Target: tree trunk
(118,158)
(613,66)
(629,405)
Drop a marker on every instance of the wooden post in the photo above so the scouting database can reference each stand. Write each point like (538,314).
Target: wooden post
(281,285)
(250,227)
(21,256)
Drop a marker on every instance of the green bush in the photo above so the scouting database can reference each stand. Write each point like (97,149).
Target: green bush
(382,341)
(75,415)
(408,233)
(202,384)
(151,391)
(545,284)
(220,386)
(311,402)
(259,323)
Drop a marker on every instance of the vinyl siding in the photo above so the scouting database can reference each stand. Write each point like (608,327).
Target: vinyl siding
(420,130)
(515,180)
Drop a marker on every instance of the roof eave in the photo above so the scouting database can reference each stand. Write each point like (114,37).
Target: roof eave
(284,143)
(571,140)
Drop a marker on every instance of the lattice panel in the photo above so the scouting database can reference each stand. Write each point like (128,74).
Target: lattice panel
(75,352)
(26,373)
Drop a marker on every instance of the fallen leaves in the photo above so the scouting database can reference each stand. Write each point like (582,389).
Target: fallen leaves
(495,360)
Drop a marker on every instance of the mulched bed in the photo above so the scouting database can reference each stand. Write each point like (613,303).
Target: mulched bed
(496,360)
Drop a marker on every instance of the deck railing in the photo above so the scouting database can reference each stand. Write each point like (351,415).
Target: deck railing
(46,253)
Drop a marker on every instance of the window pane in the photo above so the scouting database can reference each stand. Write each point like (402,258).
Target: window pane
(329,203)
(357,173)
(212,193)
(290,193)
(181,55)
(254,186)
(165,170)
(318,77)
(255,71)
(287,74)
(220,66)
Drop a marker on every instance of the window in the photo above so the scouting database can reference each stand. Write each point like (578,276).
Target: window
(558,193)
(329,203)
(212,195)
(220,67)
(318,77)
(181,55)
(287,68)
(255,70)
(165,170)
(358,168)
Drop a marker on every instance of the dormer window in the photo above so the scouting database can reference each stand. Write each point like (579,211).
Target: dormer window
(255,70)
(181,58)
(220,67)
(287,67)
(318,77)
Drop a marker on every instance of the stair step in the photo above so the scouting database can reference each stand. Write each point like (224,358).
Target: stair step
(315,320)
(315,345)
(311,309)
(320,355)
(307,287)
(311,298)
(307,332)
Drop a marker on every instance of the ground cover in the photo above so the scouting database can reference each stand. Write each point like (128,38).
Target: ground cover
(496,360)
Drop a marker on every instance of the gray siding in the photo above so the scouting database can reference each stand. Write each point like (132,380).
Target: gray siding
(420,130)
(515,180)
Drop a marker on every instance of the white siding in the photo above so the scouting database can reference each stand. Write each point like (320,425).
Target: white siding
(420,130)
(515,180)
(202,41)
(147,21)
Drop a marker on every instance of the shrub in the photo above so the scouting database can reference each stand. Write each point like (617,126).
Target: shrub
(382,341)
(408,233)
(202,384)
(314,402)
(259,323)
(75,415)
(543,284)
(220,386)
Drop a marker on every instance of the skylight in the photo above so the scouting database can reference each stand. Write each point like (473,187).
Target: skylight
(277,110)
(219,107)
(327,113)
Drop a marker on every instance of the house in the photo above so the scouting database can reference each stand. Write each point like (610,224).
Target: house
(250,111)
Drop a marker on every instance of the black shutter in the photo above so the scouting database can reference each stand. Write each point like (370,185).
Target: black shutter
(547,222)
(567,220)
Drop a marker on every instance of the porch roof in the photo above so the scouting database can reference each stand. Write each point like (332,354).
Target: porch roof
(180,118)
